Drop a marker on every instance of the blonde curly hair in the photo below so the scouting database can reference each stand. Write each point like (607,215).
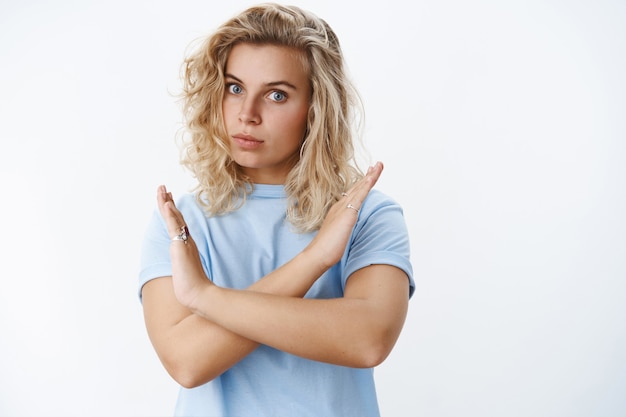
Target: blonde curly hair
(326,165)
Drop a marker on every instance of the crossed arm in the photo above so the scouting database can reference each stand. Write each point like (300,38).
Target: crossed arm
(200,330)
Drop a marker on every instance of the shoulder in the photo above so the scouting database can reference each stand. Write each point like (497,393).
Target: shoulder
(190,206)
(188,200)
(380,213)
(381,227)
(377,200)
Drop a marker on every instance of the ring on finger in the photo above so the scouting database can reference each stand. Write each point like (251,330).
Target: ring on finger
(344,194)
(183,236)
(350,206)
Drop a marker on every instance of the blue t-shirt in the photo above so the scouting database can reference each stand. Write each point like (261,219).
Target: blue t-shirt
(241,247)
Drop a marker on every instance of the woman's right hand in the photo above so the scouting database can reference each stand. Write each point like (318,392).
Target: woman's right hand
(187,274)
(330,242)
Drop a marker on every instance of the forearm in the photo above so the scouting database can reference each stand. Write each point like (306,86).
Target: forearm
(356,331)
(198,350)
(294,279)
(332,331)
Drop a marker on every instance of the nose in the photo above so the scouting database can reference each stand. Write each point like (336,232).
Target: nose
(249,111)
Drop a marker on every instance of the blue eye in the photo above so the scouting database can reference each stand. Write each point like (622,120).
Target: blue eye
(234,89)
(278,96)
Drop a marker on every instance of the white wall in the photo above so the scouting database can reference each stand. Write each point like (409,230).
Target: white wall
(503,129)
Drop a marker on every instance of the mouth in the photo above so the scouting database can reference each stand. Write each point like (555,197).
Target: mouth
(247,141)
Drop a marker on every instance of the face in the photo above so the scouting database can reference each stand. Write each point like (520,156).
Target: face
(265,107)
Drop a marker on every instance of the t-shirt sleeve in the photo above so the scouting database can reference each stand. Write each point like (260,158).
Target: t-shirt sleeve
(379,237)
(155,252)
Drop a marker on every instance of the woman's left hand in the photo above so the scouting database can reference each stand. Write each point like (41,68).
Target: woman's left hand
(187,274)
(329,244)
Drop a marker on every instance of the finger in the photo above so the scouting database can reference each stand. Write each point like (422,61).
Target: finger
(161,195)
(357,194)
(174,219)
(171,219)
(369,179)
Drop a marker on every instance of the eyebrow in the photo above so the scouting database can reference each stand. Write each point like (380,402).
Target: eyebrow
(271,84)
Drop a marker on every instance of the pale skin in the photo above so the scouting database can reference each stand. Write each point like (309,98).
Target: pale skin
(200,330)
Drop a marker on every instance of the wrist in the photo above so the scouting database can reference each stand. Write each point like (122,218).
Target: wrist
(198,296)
(314,260)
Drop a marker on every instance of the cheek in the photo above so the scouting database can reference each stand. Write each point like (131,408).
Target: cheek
(299,120)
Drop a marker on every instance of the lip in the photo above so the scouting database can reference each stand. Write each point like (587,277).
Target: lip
(247,141)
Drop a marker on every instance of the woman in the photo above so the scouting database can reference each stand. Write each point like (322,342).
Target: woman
(284,279)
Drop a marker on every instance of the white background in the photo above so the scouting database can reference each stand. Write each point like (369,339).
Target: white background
(503,129)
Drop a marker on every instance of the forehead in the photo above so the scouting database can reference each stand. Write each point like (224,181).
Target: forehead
(267,63)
